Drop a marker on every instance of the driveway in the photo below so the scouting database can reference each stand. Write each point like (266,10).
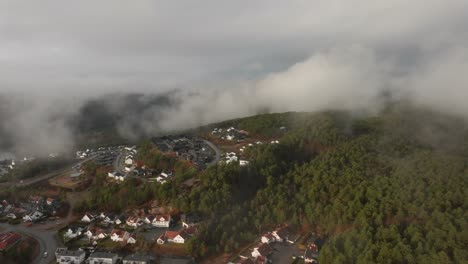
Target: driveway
(46,238)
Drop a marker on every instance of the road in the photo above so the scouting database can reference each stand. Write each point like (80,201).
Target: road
(46,238)
(37,179)
(216,149)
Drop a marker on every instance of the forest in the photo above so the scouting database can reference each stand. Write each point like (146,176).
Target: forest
(382,188)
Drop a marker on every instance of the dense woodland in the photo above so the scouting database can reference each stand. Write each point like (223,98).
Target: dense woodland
(389,188)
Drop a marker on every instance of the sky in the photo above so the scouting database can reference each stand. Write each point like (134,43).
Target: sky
(228,58)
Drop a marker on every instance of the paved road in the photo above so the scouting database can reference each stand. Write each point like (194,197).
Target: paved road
(46,238)
(216,149)
(37,179)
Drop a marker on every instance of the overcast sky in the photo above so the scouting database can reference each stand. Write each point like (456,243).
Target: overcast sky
(284,55)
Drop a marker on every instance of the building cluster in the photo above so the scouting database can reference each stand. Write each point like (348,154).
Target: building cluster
(185,147)
(230,134)
(232,157)
(7,165)
(36,208)
(261,253)
(96,227)
(64,255)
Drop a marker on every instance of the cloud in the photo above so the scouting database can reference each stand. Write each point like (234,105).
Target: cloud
(224,59)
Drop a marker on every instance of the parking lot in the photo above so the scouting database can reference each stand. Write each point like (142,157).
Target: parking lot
(283,252)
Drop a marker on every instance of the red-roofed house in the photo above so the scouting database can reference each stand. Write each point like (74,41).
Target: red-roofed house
(8,239)
(173,237)
(162,221)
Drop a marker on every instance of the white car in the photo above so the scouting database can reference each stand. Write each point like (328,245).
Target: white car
(45,254)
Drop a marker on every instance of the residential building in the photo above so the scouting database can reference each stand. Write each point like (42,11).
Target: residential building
(268,238)
(162,221)
(88,218)
(33,216)
(262,250)
(63,255)
(138,259)
(119,235)
(103,258)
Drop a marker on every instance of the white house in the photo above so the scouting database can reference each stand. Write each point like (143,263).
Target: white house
(262,250)
(63,255)
(119,220)
(131,239)
(281,234)
(88,218)
(119,235)
(96,234)
(149,219)
(33,216)
(268,238)
(162,221)
(103,258)
(128,161)
(243,163)
(173,237)
(73,232)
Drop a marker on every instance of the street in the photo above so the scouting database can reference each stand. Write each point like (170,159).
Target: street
(46,238)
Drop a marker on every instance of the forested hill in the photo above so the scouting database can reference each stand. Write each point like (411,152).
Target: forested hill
(390,188)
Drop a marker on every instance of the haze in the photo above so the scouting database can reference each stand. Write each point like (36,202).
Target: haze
(224,59)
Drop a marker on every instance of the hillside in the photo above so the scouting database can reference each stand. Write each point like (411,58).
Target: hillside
(389,188)
(386,188)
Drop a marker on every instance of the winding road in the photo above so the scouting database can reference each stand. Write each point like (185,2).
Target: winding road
(46,238)
(216,149)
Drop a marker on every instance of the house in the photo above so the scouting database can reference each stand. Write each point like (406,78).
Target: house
(162,221)
(73,232)
(149,219)
(103,215)
(133,221)
(173,237)
(109,219)
(311,254)
(8,239)
(63,255)
(103,258)
(268,238)
(282,234)
(50,201)
(33,216)
(189,220)
(138,259)
(96,233)
(129,161)
(243,163)
(262,250)
(88,218)
(131,239)
(118,235)
(120,220)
